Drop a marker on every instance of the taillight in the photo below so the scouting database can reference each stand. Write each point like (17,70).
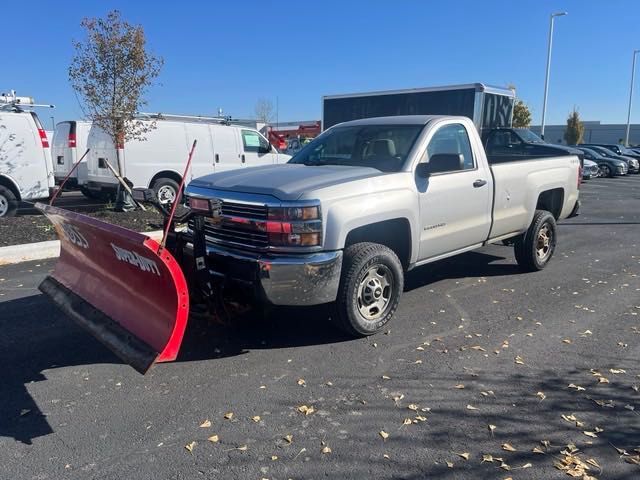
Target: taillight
(72,140)
(580,169)
(43,138)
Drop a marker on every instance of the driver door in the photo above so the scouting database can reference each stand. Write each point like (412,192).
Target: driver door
(256,150)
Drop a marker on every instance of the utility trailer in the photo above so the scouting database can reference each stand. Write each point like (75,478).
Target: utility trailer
(489,107)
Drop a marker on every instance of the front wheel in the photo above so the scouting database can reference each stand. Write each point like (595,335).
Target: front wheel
(535,247)
(166,190)
(605,170)
(370,288)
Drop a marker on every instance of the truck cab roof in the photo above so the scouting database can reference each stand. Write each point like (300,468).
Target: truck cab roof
(398,120)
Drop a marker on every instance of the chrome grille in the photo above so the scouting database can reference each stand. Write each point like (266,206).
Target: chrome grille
(240,225)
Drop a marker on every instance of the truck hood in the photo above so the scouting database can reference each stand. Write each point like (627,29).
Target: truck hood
(286,182)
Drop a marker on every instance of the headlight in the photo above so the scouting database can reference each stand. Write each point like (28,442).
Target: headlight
(293,226)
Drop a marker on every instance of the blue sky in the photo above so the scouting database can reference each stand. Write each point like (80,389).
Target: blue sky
(229,54)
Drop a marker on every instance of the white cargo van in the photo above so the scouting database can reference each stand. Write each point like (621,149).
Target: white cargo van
(26,170)
(158,161)
(69,144)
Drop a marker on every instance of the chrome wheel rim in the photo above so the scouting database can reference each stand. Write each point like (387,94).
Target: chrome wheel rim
(375,292)
(166,194)
(4,205)
(544,242)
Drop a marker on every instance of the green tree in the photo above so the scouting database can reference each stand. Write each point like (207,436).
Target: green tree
(111,71)
(574,134)
(521,115)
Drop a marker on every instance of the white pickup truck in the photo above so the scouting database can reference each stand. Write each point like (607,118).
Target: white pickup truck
(367,201)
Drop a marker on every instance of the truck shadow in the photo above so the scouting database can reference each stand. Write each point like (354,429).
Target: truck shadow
(470,264)
(37,338)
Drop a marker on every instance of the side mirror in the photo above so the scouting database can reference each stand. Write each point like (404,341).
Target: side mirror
(441,162)
(144,195)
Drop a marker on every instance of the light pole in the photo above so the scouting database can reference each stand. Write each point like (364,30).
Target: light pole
(546,80)
(633,74)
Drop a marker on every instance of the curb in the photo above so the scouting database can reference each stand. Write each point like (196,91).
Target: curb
(43,250)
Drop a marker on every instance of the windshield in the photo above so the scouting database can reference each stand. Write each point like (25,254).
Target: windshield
(627,151)
(383,147)
(528,136)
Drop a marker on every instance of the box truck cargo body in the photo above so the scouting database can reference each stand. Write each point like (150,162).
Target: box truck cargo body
(488,107)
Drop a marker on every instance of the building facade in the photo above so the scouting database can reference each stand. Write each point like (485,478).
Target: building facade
(594,132)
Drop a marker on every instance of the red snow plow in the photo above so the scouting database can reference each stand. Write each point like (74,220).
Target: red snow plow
(122,286)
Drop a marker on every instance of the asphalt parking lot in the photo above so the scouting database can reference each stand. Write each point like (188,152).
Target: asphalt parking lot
(481,361)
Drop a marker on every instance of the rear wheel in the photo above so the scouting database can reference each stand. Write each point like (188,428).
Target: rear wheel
(88,193)
(605,170)
(370,288)
(166,190)
(535,248)
(8,202)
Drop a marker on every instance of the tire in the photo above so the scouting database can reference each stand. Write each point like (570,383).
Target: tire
(378,296)
(8,202)
(163,188)
(605,170)
(88,193)
(535,247)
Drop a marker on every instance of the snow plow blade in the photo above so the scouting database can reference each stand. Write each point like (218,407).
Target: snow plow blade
(120,286)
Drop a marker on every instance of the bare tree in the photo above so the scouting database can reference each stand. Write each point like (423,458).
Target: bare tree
(111,71)
(264,110)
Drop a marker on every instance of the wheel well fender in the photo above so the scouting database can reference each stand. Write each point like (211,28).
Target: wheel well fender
(394,234)
(11,185)
(552,201)
(166,174)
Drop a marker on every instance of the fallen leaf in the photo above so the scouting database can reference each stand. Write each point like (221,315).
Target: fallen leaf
(228,415)
(417,362)
(384,434)
(492,428)
(519,360)
(616,371)
(526,465)
(590,434)
(586,332)
(256,418)
(190,446)
(242,448)
(576,387)
(504,466)
(386,377)
(460,386)
(566,340)
(603,380)
(537,450)
(508,447)
(420,418)
(407,421)
(479,348)
(413,406)
(288,438)
(541,396)
(449,464)
(464,455)
(214,439)
(487,458)
(301,382)
(205,424)
(386,456)
(326,450)
(306,410)
(24,411)
(471,407)
(592,461)
(274,457)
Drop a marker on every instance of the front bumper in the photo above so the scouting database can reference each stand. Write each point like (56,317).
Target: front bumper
(280,279)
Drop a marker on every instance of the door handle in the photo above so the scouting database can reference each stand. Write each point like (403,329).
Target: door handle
(479,183)
(217,158)
(243,159)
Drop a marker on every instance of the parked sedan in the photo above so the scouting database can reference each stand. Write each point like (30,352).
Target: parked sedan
(590,170)
(609,167)
(625,155)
